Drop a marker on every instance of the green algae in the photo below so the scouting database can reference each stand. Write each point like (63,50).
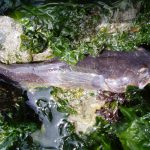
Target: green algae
(16,124)
(74,30)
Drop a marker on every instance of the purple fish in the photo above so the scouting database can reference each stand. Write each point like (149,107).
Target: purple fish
(111,71)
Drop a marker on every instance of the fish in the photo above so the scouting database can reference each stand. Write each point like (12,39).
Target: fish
(111,71)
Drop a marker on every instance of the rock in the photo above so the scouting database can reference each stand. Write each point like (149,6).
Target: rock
(86,107)
(10,32)
(45,55)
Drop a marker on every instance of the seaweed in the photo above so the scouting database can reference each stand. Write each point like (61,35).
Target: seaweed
(17,120)
(73,30)
(133,129)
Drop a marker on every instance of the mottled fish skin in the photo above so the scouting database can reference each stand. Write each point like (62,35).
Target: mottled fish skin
(111,71)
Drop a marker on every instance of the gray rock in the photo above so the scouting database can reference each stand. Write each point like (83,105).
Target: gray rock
(10,32)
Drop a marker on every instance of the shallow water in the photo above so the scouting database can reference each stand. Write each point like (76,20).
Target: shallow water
(53,122)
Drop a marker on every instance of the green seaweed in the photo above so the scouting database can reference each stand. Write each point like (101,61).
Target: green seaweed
(133,130)
(16,125)
(63,103)
(16,135)
(103,137)
(45,27)
(70,30)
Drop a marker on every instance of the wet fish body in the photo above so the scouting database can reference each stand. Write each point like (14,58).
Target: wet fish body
(111,71)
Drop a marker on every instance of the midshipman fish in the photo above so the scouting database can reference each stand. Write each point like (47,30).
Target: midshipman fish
(111,71)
